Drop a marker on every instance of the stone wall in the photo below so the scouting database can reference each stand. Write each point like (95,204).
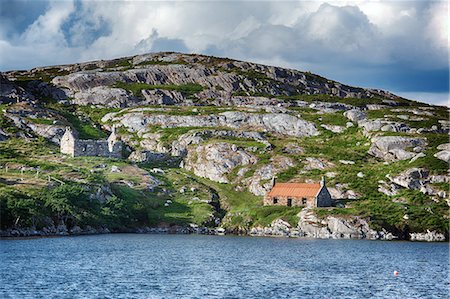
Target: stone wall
(111,148)
(295,201)
(97,148)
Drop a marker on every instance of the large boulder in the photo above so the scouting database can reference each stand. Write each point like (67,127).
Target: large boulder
(215,160)
(334,227)
(414,178)
(355,115)
(394,148)
(444,154)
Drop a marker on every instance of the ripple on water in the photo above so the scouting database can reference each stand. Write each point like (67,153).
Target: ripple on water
(175,266)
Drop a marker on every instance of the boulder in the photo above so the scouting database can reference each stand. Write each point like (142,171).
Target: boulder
(334,129)
(444,146)
(393,148)
(214,161)
(443,155)
(293,149)
(334,227)
(355,115)
(388,189)
(316,163)
(429,236)
(414,178)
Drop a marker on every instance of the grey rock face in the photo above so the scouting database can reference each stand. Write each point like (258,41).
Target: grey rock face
(180,146)
(26,118)
(342,191)
(413,178)
(104,96)
(332,227)
(394,148)
(293,149)
(11,92)
(315,163)
(162,97)
(278,228)
(443,155)
(444,146)
(429,236)
(214,161)
(355,115)
(275,123)
(266,173)
(218,78)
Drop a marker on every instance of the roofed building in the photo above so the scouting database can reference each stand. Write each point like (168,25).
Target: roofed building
(299,194)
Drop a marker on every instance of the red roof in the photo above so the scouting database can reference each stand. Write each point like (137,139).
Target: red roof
(295,189)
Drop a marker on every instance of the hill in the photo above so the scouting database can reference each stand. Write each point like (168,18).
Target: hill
(204,136)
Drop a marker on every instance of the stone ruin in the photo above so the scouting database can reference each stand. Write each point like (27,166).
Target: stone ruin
(71,145)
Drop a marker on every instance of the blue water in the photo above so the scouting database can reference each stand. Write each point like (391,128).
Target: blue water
(191,266)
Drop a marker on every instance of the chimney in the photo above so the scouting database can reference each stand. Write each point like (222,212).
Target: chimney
(273,181)
(322,182)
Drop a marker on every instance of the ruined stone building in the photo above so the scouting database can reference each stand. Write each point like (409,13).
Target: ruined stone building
(111,147)
(299,194)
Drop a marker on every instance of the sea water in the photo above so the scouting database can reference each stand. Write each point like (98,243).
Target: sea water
(194,266)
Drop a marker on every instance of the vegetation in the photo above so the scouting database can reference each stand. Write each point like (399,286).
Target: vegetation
(40,187)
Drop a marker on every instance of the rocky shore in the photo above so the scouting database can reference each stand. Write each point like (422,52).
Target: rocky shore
(308,227)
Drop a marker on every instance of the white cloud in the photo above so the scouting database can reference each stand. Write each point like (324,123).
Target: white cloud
(47,28)
(342,39)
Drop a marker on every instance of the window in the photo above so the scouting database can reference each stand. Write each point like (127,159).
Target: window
(304,201)
(275,200)
(289,202)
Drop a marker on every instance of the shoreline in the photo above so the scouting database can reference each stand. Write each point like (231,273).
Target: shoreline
(27,234)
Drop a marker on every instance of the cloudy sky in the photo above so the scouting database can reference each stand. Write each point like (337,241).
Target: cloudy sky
(401,46)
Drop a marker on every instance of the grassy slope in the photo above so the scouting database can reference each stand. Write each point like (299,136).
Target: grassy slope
(244,209)
(135,206)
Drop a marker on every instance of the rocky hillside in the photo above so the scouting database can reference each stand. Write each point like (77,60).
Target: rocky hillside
(204,137)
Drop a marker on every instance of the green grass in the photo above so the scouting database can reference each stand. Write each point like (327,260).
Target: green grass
(85,127)
(41,121)
(161,62)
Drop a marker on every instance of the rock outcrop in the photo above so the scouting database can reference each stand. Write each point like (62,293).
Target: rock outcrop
(260,182)
(444,153)
(12,93)
(355,115)
(277,123)
(429,236)
(394,148)
(328,228)
(214,161)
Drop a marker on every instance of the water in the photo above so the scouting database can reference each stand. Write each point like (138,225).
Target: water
(180,266)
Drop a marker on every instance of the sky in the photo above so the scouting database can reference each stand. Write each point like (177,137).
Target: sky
(400,46)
